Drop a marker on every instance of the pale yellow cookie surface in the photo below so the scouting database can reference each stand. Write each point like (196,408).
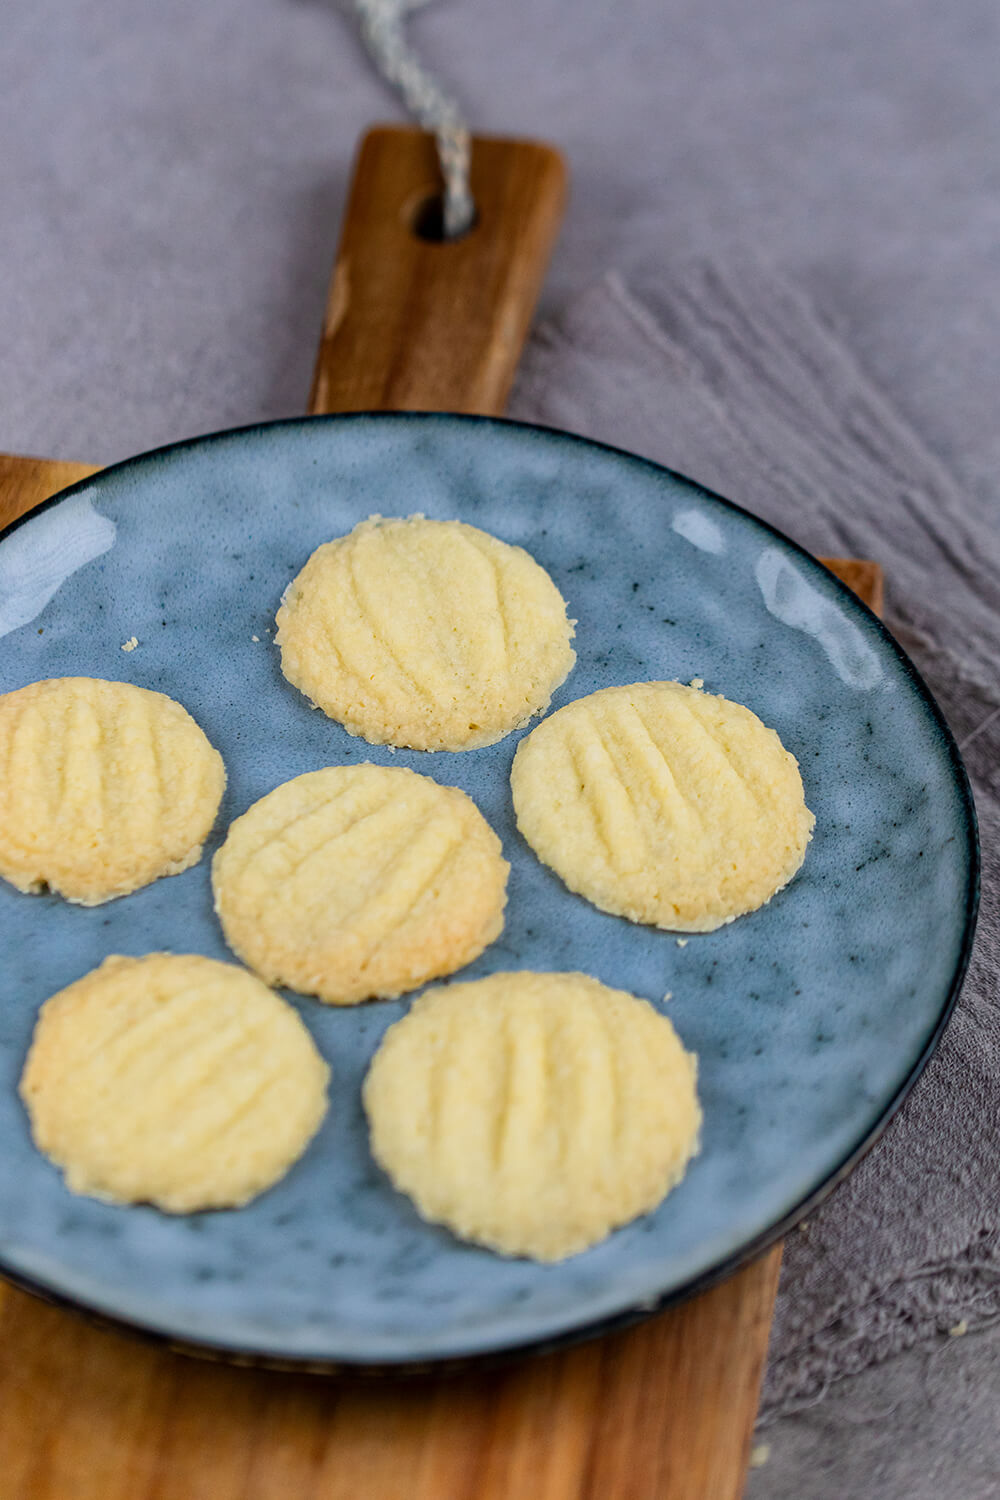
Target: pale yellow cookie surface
(172,1079)
(104,787)
(533,1113)
(662,804)
(360,881)
(429,634)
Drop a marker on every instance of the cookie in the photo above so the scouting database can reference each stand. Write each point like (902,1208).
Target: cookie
(428,634)
(663,804)
(533,1113)
(172,1079)
(104,787)
(357,882)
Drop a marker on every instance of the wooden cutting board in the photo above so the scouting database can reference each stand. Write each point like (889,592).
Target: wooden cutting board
(662,1411)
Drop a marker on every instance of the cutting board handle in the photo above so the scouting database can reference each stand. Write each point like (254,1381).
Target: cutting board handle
(422,324)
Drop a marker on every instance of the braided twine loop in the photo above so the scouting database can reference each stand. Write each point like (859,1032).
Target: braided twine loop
(382,27)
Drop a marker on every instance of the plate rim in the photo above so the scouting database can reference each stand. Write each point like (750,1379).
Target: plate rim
(373,1367)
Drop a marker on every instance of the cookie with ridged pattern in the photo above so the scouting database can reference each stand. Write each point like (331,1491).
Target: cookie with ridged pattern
(357,882)
(533,1113)
(428,634)
(172,1079)
(663,804)
(104,787)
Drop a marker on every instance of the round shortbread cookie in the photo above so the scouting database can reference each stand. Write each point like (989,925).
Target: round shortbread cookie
(357,882)
(172,1079)
(663,804)
(533,1113)
(104,787)
(428,634)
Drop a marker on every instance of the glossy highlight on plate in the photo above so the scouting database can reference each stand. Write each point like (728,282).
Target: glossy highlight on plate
(809,1019)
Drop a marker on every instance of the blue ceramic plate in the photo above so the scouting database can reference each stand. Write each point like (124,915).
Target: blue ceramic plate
(810,1017)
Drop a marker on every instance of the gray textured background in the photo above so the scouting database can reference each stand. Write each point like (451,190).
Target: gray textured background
(171,178)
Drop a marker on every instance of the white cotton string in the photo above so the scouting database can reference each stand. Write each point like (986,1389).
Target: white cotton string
(381,24)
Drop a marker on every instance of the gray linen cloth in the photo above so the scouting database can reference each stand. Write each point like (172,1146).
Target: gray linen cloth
(735,381)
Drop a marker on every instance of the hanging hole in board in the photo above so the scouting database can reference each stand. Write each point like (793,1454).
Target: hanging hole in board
(427,221)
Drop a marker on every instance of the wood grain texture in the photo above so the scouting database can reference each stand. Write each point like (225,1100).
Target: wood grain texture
(661,1411)
(864,577)
(417,325)
(657,1412)
(26,482)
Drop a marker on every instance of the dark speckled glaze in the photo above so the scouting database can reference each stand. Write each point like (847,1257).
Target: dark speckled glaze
(810,1017)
